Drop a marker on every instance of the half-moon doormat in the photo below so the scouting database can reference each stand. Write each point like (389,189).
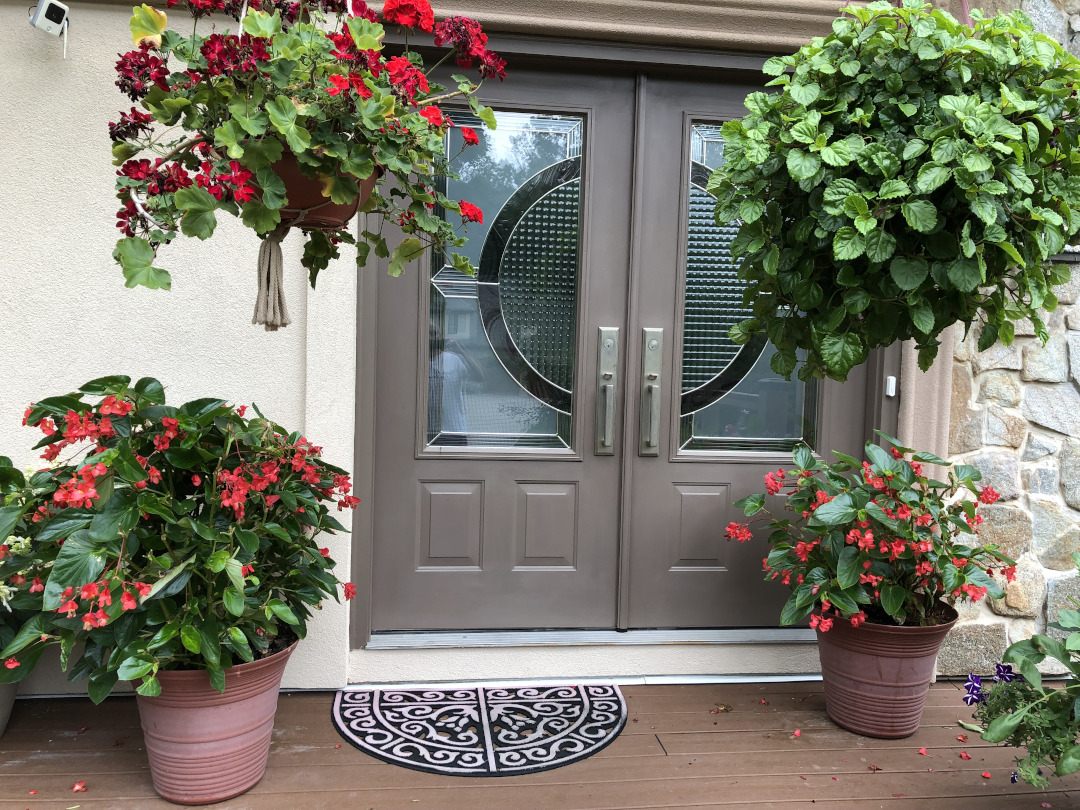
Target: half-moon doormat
(481,731)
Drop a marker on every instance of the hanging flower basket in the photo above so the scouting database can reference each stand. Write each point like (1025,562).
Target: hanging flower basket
(292,84)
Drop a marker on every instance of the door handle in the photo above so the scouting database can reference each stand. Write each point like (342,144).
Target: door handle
(607,377)
(652,366)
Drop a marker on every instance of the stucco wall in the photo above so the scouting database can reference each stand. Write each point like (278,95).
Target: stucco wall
(65,316)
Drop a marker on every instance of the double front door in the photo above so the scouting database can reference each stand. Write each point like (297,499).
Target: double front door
(559,440)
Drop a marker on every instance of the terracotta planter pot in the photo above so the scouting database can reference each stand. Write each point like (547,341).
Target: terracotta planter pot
(206,747)
(7,700)
(877,676)
(306,197)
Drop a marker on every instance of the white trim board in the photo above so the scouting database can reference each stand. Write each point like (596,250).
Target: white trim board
(564,662)
(530,638)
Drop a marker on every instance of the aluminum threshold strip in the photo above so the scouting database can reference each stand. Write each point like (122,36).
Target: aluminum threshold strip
(546,638)
(629,680)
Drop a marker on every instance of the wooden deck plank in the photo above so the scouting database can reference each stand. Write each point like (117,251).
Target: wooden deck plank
(677,754)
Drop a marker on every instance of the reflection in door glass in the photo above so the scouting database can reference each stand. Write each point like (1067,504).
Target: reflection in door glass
(502,345)
(731,398)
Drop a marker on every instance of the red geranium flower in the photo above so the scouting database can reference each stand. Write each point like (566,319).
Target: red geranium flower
(470,213)
(409,13)
(468,134)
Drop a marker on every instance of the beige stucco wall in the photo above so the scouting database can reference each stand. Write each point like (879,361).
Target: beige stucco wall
(65,316)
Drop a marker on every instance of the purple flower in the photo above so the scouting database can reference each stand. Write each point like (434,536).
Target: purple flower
(1005,673)
(973,683)
(971,698)
(1014,778)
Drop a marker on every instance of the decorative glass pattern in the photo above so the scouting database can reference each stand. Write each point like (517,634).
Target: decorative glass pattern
(503,345)
(731,398)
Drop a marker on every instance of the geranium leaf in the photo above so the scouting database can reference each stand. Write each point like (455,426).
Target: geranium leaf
(198,206)
(146,25)
(367,35)
(136,256)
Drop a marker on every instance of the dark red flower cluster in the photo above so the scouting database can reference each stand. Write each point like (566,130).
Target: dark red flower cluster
(409,14)
(231,185)
(199,8)
(139,70)
(492,66)
(229,54)
(470,43)
(159,181)
(128,219)
(131,125)
(406,78)
(464,36)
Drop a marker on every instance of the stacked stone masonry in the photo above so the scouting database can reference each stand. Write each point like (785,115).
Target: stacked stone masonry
(1016,415)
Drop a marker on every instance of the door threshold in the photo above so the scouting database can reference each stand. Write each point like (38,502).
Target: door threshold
(548,638)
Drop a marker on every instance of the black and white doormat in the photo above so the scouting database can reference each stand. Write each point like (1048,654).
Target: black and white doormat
(485,731)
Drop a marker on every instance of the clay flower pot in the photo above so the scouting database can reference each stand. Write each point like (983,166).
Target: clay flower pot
(876,676)
(307,206)
(206,747)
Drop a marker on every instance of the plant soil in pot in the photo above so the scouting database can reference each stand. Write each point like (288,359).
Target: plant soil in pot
(204,746)
(877,676)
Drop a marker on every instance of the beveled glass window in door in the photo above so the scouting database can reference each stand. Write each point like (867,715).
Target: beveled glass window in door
(731,399)
(503,344)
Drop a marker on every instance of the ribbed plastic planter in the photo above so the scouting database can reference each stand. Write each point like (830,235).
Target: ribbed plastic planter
(7,700)
(206,747)
(877,676)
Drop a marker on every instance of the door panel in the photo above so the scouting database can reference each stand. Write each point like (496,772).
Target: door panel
(726,417)
(491,509)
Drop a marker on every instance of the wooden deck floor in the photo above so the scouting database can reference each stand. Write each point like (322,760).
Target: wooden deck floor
(676,751)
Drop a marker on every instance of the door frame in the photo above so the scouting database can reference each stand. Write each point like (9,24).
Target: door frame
(538,52)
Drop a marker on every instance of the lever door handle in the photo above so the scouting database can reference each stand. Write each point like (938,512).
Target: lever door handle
(607,378)
(607,436)
(652,366)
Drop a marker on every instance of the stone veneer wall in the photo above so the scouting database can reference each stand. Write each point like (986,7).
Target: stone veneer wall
(1016,415)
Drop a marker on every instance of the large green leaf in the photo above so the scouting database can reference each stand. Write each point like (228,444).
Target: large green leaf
(78,562)
(920,215)
(802,165)
(284,118)
(198,206)
(842,353)
(1003,725)
(908,273)
(64,523)
(893,598)
(136,257)
(366,35)
(120,514)
(848,244)
(839,510)
(849,567)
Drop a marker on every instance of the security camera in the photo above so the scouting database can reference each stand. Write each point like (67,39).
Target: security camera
(50,16)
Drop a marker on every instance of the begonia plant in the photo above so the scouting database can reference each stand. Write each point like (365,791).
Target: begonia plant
(908,173)
(875,541)
(25,565)
(218,111)
(181,537)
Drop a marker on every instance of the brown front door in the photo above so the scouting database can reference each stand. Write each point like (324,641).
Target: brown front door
(558,441)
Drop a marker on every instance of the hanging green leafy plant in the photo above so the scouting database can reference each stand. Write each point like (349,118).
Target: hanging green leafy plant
(911,173)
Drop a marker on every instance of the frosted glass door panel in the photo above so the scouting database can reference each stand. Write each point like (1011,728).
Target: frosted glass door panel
(503,344)
(731,399)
